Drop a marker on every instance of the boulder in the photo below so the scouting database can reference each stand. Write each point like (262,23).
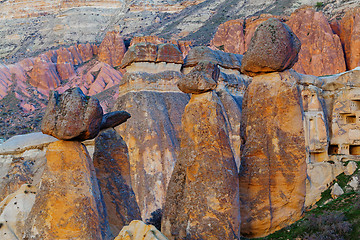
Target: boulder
(68,202)
(274,47)
(354,183)
(229,37)
(72,115)
(202,78)
(350,168)
(169,53)
(138,230)
(336,191)
(321,52)
(273,162)
(141,52)
(350,37)
(112,49)
(222,59)
(202,200)
(111,161)
(113,119)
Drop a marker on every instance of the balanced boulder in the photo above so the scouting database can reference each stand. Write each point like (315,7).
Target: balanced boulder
(113,119)
(273,48)
(202,78)
(72,116)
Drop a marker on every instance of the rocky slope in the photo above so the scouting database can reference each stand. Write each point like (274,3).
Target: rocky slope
(52,23)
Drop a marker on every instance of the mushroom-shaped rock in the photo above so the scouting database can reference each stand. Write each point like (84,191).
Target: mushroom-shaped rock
(169,53)
(141,52)
(138,230)
(202,78)
(72,116)
(113,119)
(273,48)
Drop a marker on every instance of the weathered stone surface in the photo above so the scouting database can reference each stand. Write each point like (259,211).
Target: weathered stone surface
(147,39)
(336,191)
(201,54)
(169,53)
(112,49)
(68,204)
(230,37)
(202,78)
(20,143)
(350,37)
(141,52)
(72,115)
(149,52)
(138,230)
(86,51)
(65,63)
(152,138)
(202,200)
(274,47)
(273,163)
(111,161)
(14,210)
(113,119)
(319,177)
(321,52)
(354,183)
(43,74)
(350,168)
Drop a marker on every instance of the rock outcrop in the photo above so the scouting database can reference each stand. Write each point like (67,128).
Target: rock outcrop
(111,161)
(112,49)
(72,115)
(274,47)
(68,204)
(321,52)
(230,37)
(350,37)
(202,199)
(273,162)
(138,230)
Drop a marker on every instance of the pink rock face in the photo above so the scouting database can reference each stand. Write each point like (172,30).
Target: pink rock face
(147,39)
(76,55)
(5,80)
(321,52)
(43,74)
(86,51)
(230,37)
(350,37)
(65,63)
(112,49)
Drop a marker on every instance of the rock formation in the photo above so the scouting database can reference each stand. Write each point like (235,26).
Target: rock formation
(111,161)
(321,52)
(274,47)
(72,115)
(138,230)
(112,49)
(350,37)
(68,202)
(273,162)
(202,199)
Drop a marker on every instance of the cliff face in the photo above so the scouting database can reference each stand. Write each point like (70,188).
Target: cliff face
(30,27)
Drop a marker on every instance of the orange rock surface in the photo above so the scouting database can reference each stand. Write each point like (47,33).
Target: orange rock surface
(67,204)
(350,37)
(321,51)
(112,49)
(65,63)
(273,162)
